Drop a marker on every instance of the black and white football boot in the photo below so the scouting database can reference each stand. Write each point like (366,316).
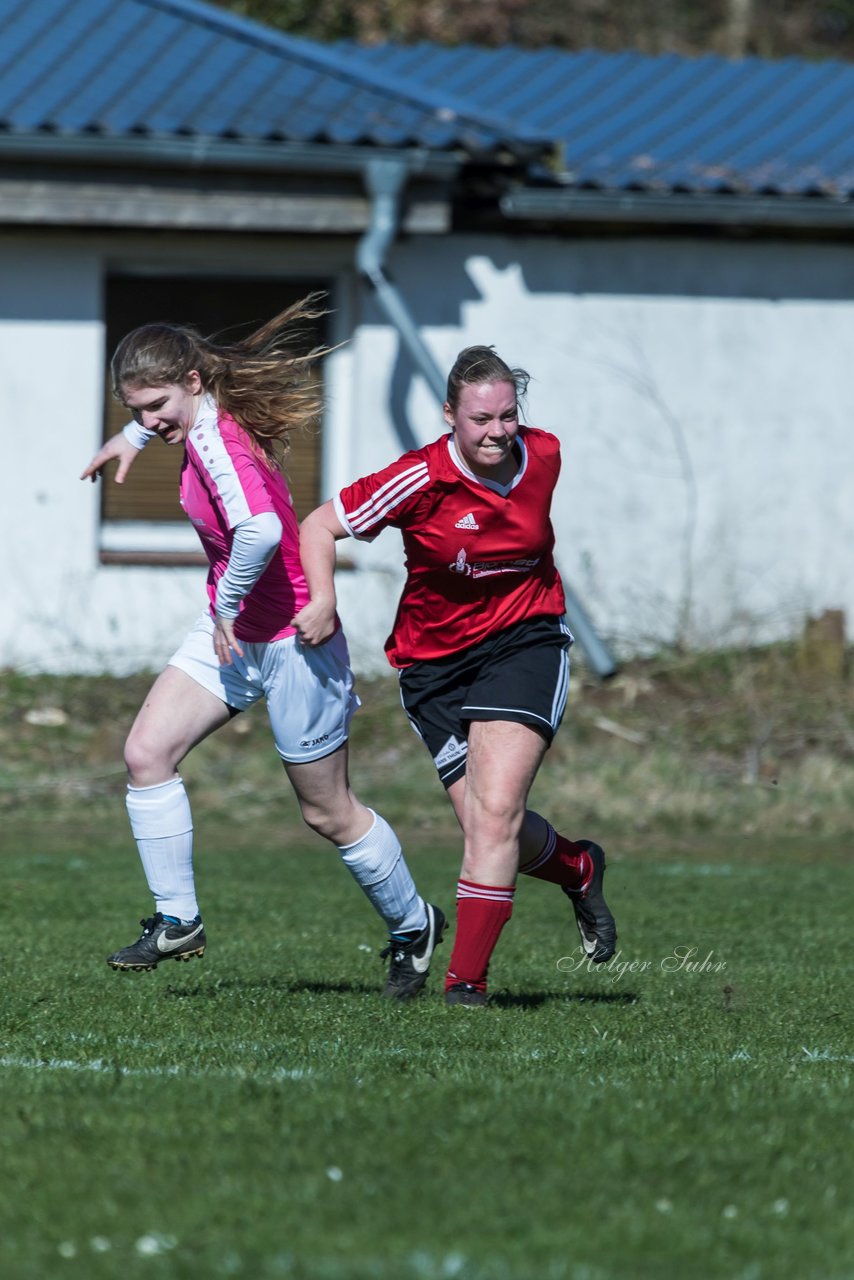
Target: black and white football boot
(162,938)
(410,960)
(596,925)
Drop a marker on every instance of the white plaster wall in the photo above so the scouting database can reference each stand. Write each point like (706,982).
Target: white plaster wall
(703,396)
(62,611)
(701,389)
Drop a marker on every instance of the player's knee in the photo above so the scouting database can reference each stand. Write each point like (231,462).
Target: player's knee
(319,818)
(497,814)
(144,761)
(334,822)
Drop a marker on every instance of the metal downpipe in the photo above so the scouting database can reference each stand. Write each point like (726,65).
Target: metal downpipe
(385,181)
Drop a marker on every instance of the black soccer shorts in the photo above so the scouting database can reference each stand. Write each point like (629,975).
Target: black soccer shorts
(520,674)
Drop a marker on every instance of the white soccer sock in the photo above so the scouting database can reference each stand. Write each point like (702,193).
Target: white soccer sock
(377,863)
(162,825)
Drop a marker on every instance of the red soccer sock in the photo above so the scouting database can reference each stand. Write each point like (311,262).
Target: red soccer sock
(482,912)
(561,861)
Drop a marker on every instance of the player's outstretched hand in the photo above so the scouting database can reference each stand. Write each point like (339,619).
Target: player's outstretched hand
(316,623)
(117,449)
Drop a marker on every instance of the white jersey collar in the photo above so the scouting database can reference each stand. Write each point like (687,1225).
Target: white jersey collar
(206,414)
(503,489)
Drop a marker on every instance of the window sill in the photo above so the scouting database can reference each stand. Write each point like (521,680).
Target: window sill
(150,542)
(161,543)
(164,559)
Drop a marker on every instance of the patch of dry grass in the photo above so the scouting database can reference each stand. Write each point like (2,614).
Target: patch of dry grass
(747,743)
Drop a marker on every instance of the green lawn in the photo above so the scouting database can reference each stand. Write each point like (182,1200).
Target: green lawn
(262,1113)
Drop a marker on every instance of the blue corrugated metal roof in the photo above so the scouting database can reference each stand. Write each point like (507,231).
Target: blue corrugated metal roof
(178,68)
(633,122)
(153,69)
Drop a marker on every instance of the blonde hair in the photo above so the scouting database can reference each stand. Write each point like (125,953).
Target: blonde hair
(264,381)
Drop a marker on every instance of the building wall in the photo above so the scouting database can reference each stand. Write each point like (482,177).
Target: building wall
(64,611)
(702,394)
(700,388)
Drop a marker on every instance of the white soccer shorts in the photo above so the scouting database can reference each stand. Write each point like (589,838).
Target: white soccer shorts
(309,691)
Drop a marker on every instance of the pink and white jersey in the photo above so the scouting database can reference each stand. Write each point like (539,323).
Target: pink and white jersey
(226,479)
(478,554)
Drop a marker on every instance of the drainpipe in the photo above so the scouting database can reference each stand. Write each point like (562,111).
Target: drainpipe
(594,647)
(385,180)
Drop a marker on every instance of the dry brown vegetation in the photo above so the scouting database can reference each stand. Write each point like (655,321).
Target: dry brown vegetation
(757,743)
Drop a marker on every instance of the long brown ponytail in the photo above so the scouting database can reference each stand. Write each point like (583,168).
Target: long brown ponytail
(264,381)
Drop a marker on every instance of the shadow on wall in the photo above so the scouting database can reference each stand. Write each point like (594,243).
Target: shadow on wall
(49,285)
(650,266)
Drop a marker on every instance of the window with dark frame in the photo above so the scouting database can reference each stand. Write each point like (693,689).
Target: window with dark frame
(225,307)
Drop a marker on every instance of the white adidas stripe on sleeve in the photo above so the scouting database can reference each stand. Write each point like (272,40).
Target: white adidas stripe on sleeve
(386,498)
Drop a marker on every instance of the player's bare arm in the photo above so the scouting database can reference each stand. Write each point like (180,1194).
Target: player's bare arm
(320,530)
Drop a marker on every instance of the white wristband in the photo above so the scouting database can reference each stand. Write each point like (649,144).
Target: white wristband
(136,435)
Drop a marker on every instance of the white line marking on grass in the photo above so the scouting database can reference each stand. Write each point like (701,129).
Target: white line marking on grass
(824,1055)
(98,1066)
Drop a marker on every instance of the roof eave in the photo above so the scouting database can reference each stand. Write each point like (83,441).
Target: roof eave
(224,154)
(669,208)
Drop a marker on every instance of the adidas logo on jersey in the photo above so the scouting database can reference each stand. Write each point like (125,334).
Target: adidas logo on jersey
(467,522)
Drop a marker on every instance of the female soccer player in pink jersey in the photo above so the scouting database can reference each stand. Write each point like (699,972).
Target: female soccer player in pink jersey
(233,408)
(481,645)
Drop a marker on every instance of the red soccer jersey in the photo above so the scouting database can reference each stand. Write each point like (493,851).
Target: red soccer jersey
(478,554)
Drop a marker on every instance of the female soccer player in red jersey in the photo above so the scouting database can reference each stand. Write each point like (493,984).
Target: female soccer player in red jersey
(233,408)
(480,642)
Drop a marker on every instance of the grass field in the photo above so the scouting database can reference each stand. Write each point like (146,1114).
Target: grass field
(262,1113)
